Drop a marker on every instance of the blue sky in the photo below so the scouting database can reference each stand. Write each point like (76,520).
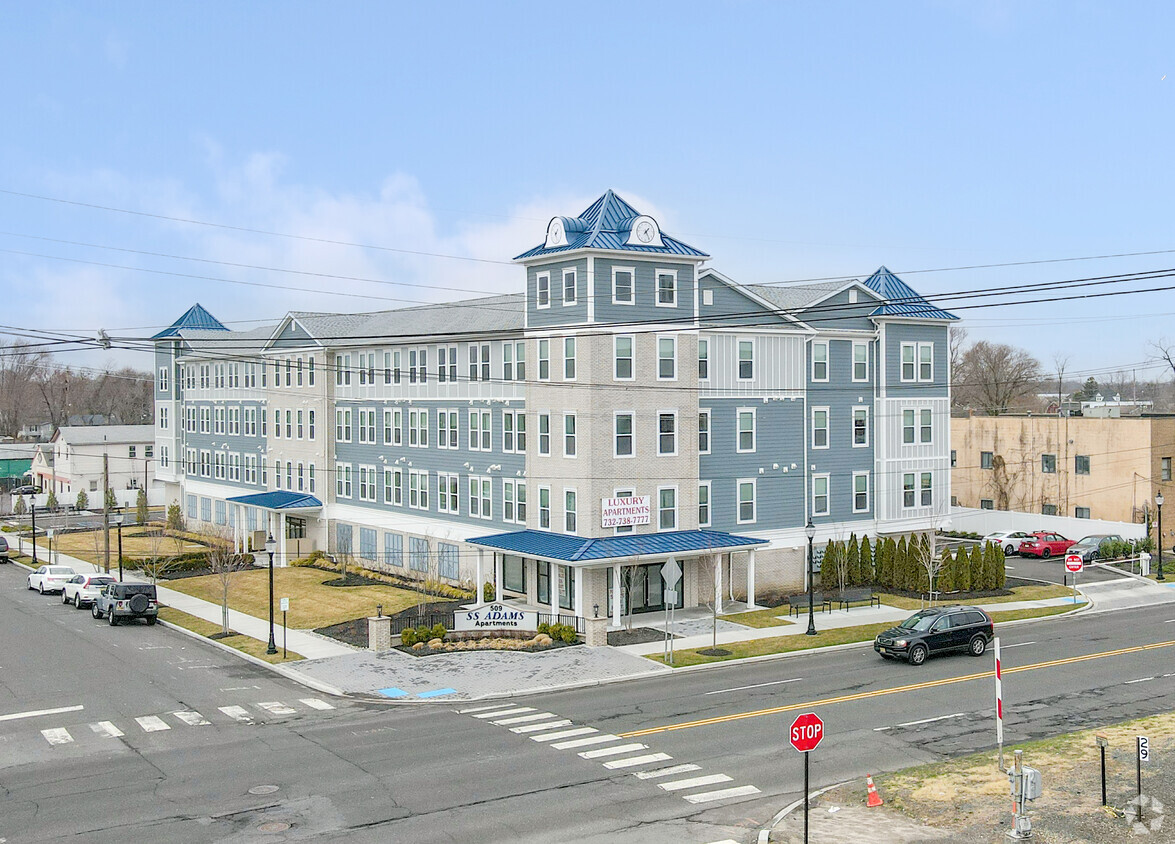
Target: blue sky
(788,140)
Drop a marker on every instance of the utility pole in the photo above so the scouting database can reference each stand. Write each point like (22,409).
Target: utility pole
(106,510)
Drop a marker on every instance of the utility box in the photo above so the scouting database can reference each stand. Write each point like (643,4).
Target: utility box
(1031,784)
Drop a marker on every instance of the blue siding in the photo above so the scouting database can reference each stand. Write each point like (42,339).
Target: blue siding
(840,395)
(644,308)
(293,336)
(897,333)
(164,359)
(836,312)
(214,442)
(557,313)
(731,307)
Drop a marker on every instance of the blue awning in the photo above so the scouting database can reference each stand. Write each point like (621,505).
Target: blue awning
(572,549)
(279,500)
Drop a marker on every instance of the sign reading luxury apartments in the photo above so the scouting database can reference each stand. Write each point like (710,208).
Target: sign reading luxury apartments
(495,617)
(624,512)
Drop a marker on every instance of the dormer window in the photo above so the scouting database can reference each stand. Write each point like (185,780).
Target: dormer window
(644,232)
(556,233)
(543,297)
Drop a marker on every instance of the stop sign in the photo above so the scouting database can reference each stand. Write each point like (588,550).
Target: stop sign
(806,732)
(1074,563)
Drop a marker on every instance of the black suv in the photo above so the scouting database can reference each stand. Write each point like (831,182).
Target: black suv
(935,631)
(120,601)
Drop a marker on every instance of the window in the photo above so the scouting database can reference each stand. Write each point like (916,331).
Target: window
(925,428)
(569,435)
(745,420)
(986,504)
(163,379)
(1081,512)
(507,361)
(447,492)
(219,424)
(820,361)
(1048,464)
(219,465)
(418,554)
(300,375)
(925,361)
(417,489)
(544,360)
(342,480)
(1081,464)
(622,370)
(820,427)
(746,360)
(746,501)
(310,372)
(666,288)
(860,427)
(954,458)
(544,434)
(394,486)
(513,574)
(703,432)
(908,427)
(568,287)
(545,507)
(820,495)
(666,358)
(396,366)
(570,516)
(985,459)
(860,492)
(543,281)
(479,430)
(667,433)
(418,428)
(514,432)
(418,366)
(342,371)
(860,361)
(367,483)
(343,426)
(667,508)
(446,364)
(480,503)
(927,489)
(1048,509)
(514,502)
(909,372)
(310,477)
(568,358)
(622,287)
(366,425)
(908,496)
(394,549)
(448,561)
(622,425)
(131,451)
(1165,468)
(446,429)
(520,361)
(703,359)
(289,424)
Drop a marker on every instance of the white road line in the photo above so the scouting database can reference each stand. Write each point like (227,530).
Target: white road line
(191,718)
(16,716)
(931,720)
(755,686)
(1169,621)
(315,703)
(633,761)
(724,794)
(469,710)
(612,751)
(522,719)
(152,723)
(1139,680)
(514,710)
(725,841)
(276,707)
(584,742)
(578,731)
(546,725)
(1017,645)
(57,735)
(106,729)
(667,772)
(237,713)
(694,782)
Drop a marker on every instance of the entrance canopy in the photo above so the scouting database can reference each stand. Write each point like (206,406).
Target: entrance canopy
(561,548)
(278,500)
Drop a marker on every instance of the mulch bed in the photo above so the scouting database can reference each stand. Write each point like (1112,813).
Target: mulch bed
(531,649)
(353,632)
(636,636)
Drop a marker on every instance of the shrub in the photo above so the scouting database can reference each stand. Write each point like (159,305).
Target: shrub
(488,592)
(978,580)
(408,637)
(567,634)
(175,515)
(83,502)
(51,501)
(438,631)
(945,582)
(867,574)
(19,508)
(545,628)
(110,502)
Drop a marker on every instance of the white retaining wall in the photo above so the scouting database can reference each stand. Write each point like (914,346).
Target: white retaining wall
(984,522)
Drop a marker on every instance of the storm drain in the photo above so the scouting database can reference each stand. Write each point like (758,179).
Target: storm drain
(273,826)
(263,789)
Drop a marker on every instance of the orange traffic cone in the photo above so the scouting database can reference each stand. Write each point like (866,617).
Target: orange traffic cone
(874,797)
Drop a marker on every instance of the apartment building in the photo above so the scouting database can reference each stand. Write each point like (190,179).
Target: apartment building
(73,460)
(630,405)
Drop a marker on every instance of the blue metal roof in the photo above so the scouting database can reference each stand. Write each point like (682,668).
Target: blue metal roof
(278,499)
(605,224)
(901,300)
(194,317)
(557,546)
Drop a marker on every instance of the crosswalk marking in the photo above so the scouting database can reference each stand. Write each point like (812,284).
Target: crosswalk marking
(513,710)
(584,742)
(57,735)
(276,707)
(578,731)
(315,703)
(612,751)
(534,728)
(152,723)
(522,719)
(237,713)
(469,710)
(667,772)
(191,718)
(694,782)
(633,761)
(106,729)
(724,794)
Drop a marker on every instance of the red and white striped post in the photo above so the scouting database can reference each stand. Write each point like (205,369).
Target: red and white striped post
(999,701)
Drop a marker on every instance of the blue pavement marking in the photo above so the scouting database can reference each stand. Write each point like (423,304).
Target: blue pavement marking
(437,693)
(393,692)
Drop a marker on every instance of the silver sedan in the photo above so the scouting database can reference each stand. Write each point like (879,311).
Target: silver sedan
(81,589)
(50,578)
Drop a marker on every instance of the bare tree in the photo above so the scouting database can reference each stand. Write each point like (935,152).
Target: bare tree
(19,365)
(157,563)
(958,345)
(224,562)
(1060,363)
(996,377)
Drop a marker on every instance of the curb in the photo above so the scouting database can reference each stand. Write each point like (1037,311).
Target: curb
(765,832)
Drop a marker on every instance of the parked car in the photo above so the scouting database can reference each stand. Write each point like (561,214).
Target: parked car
(3,550)
(1088,546)
(1045,545)
(50,578)
(937,630)
(1009,540)
(82,589)
(122,601)
(27,489)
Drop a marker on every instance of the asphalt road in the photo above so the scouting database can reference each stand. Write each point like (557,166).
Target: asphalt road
(362,773)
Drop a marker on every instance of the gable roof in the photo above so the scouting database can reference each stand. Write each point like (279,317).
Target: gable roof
(194,317)
(110,434)
(900,298)
(605,224)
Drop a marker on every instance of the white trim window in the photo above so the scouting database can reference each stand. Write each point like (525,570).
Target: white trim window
(366,425)
(569,291)
(820,427)
(218,464)
(514,361)
(745,430)
(926,362)
(703,359)
(860,492)
(623,357)
(926,489)
(860,427)
(479,430)
(205,463)
(544,360)
(746,360)
(218,423)
(909,362)
(544,435)
(514,502)
(570,511)
(704,504)
(342,480)
(860,360)
(908,426)
(821,494)
(388,435)
(908,497)
(820,360)
(704,431)
(569,435)
(310,477)
(666,288)
(251,469)
(622,439)
(925,426)
(746,501)
(446,364)
(623,285)
(397,426)
(234,466)
(394,487)
(368,483)
(342,425)
(162,379)
(417,489)
(418,428)
(667,508)
(917,362)
(447,492)
(545,507)
(447,429)
(477,368)
(568,358)
(667,433)
(163,418)
(514,431)
(542,282)
(667,358)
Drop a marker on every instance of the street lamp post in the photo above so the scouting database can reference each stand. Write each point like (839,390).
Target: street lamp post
(810,530)
(33,511)
(1159,505)
(120,518)
(270,547)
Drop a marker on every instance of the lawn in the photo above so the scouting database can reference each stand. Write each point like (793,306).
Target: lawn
(759,618)
(312,604)
(825,638)
(1019,593)
(244,644)
(88,545)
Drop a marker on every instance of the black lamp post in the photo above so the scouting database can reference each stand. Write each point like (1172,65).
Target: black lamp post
(1159,505)
(810,530)
(270,547)
(33,511)
(120,518)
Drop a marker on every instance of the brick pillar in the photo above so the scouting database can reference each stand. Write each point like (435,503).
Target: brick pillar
(595,632)
(379,633)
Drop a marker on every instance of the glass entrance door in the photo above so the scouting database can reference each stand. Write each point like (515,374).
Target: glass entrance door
(642,587)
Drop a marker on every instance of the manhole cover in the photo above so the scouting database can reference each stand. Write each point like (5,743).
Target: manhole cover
(273,826)
(263,789)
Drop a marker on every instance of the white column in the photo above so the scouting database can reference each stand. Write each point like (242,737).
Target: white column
(751,580)
(616,597)
(718,585)
(577,579)
(554,596)
(478,593)
(498,577)
(281,542)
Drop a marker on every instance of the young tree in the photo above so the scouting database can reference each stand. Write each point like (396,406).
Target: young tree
(962,572)
(835,561)
(83,500)
(884,565)
(111,500)
(853,556)
(929,563)
(946,577)
(900,572)
(18,507)
(224,563)
(141,511)
(175,516)
(978,581)
(867,575)
(51,501)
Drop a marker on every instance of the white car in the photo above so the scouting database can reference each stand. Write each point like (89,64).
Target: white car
(1009,540)
(81,589)
(50,578)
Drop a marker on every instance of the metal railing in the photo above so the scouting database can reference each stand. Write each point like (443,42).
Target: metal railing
(430,619)
(570,620)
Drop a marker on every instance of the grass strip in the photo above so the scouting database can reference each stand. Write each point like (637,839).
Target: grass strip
(236,641)
(769,617)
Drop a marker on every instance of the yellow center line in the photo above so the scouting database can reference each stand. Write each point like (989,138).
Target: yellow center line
(722,719)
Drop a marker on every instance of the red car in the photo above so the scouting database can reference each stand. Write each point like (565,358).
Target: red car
(1044,544)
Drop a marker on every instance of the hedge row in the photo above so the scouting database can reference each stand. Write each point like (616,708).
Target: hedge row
(901,565)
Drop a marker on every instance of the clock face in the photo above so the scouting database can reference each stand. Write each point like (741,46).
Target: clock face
(556,232)
(644,231)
